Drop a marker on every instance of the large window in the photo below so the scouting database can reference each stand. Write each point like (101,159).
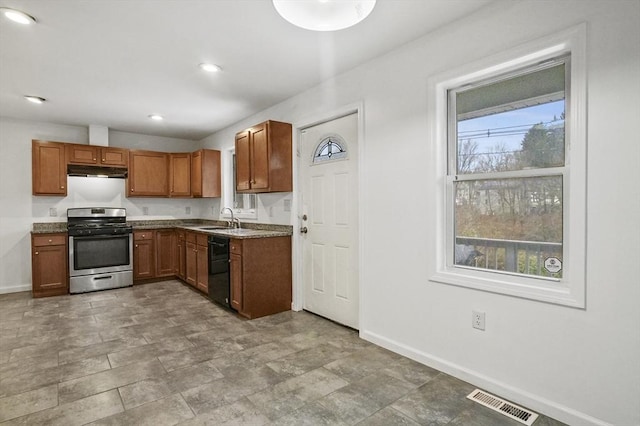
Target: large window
(512,142)
(507,164)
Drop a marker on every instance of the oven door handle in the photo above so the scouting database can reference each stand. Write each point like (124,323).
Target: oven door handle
(104,277)
(103,236)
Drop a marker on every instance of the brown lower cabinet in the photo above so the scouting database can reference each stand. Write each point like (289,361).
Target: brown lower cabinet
(155,253)
(144,255)
(196,261)
(181,261)
(166,252)
(260,268)
(49,264)
(260,275)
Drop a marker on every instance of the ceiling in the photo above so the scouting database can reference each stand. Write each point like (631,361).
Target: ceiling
(114,62)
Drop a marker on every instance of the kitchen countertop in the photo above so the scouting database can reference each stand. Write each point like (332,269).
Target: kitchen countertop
(248,230)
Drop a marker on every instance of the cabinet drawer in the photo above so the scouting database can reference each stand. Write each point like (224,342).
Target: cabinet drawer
(49,240)
(142,235)
(235,246)
(202,239)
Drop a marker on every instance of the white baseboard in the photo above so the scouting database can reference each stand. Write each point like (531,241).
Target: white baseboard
(15,289)
(519,396)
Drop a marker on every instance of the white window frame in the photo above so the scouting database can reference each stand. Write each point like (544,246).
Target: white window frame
(570,290)
(229,190)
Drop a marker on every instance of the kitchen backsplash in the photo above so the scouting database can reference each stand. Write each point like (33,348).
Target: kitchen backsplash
(103,192)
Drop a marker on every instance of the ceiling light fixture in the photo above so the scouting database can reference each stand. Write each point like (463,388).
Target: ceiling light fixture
(18,16)
(324,15)
(156,117)
(210,67)
(35,99)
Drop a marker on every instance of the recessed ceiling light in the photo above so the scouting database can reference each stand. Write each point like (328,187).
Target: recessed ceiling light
(324,15)
(210,67)
(156,117)
(35,99)
(18,16)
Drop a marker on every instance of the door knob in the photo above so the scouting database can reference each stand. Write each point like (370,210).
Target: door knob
(303,230)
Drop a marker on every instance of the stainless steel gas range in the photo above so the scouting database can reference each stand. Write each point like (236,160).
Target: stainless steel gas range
(100,249)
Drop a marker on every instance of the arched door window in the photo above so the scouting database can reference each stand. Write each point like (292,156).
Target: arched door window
(330,148)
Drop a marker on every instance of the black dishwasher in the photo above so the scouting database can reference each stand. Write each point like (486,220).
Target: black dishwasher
(219,280)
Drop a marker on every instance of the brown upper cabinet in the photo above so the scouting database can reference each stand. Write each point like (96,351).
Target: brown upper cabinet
(180,175)
(48,168)
(263,158)
(205,174)
(148,174)
(97,155)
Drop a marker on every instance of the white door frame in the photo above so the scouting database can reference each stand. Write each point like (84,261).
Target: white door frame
(296,252)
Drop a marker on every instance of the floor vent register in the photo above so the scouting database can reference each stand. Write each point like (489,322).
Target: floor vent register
(508,409)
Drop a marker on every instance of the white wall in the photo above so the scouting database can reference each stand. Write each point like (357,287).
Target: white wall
(580,366)
(19,209)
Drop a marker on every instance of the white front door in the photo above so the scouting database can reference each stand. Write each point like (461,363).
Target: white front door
(328,176)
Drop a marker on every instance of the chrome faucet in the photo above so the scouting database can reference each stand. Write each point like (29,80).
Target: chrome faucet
(232,221)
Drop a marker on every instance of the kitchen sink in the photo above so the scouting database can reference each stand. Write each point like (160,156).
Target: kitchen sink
(239,231)
(212,228)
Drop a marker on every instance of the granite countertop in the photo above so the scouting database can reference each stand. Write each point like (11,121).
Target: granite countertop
(248,230)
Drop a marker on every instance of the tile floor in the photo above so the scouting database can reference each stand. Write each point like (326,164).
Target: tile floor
(162,354)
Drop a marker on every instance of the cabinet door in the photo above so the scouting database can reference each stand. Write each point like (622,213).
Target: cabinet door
(236,281)
(191,270)
(202,256)
(148,174)
(114,157)
(49,169)
(143,257)
(165,252)
(49,270)
(259,157)
(196,174)
(180,175)
(181,257)
(206,174)
(82,154)
(243,161)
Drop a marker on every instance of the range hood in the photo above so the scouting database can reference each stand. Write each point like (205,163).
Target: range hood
(98,136)
(96,171)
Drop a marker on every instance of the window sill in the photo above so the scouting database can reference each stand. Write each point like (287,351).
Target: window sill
(241,214)
(549,291)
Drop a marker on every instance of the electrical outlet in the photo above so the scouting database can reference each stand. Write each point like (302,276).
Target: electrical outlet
(287,205)
(477,320)
(145,211)
(187,210)
(53,212)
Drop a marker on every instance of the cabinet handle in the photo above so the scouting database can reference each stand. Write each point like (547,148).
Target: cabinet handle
(37,253)
(62,187)
(103,160)
(94,159)
(50,241)
(136,246)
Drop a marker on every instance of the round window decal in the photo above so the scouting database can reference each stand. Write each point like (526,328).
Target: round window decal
(330,148)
